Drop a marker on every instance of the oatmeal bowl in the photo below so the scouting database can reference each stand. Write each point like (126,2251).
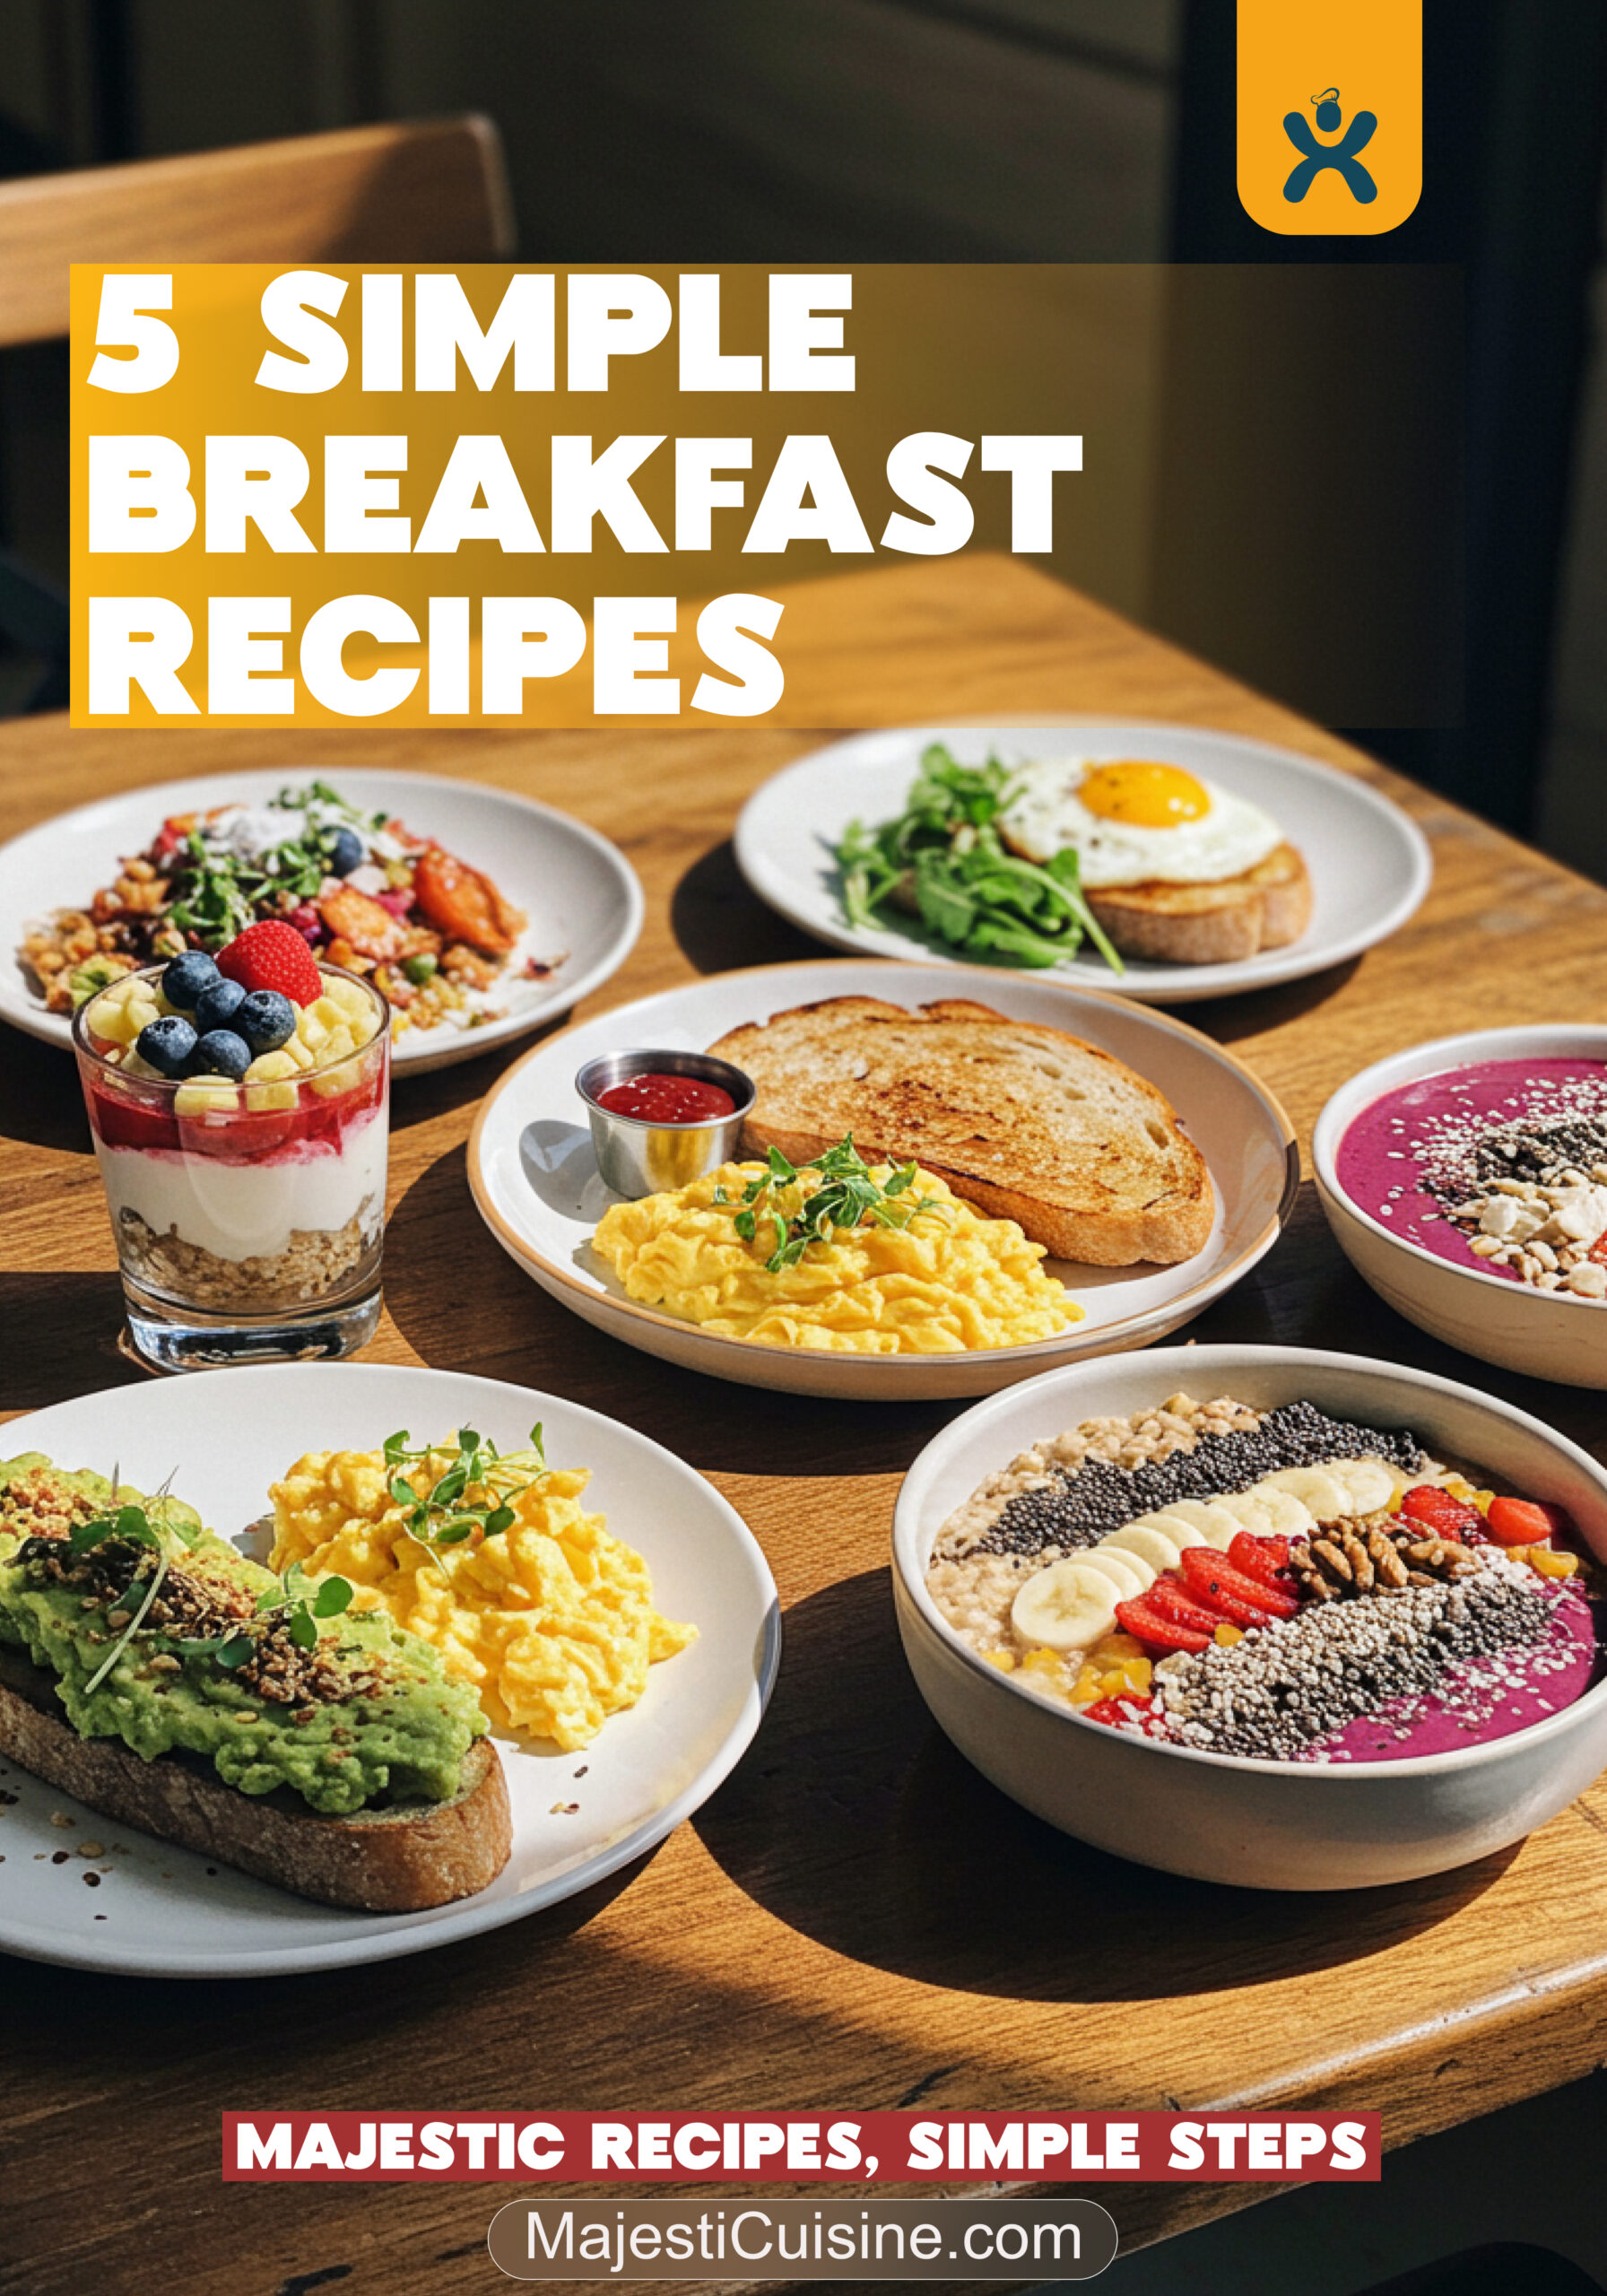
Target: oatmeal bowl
(1466,1180)
(1262,1615)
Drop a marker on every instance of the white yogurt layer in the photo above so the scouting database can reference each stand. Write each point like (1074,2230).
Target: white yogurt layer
(246,1211)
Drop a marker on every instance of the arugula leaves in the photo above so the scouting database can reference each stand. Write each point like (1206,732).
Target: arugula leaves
(943,858)
(847,1193)
(446,1515)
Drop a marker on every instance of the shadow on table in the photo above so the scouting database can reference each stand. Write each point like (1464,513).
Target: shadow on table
(43,1103)
(416,1100)
(59,1337)
(1260,1010)
(854,1821)
(88,2017)
(722,925)
(465,1306)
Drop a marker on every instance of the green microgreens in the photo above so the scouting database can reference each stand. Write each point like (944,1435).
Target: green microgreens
(285,1602)
(447,1515)
(942,861)
(218,892)
(847,1193)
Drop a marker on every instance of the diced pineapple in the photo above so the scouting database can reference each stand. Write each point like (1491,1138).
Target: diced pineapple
(365,1027)
(325,1009)
(1003,1659)
(140,1012)
(272,1067)
(109,1020)
(259,1097)
(202,1095)
(299,1055)
(329,1083)
(337,1046)
(313,1032)
(133,1066)
(1087,1687)
(1227,1635)
(353,1002)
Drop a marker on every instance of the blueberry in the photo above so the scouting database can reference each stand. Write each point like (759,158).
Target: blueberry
(167,1044)
(346,851)
(220,1053)
(266,1019)
(218,1003)
(188,978)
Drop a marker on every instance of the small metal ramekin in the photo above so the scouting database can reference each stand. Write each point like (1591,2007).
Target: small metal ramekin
(638,1158)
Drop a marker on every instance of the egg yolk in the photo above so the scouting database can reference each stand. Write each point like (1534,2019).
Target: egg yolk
(1155,797)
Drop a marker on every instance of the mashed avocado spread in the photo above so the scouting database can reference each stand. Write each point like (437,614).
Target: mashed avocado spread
(224,1660)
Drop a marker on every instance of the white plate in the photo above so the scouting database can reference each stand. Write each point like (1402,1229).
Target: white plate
(227,1435)
(535,1180)
(579,892)
(1369,865)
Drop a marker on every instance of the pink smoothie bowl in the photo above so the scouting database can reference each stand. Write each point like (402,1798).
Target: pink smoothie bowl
(1259,1824)
(1547,1334)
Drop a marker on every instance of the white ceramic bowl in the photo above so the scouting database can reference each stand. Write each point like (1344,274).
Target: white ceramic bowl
(1548,1334)
(1222,1817)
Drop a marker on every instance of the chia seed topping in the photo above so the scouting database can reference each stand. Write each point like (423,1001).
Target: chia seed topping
(1079,1509)
(1279,1691)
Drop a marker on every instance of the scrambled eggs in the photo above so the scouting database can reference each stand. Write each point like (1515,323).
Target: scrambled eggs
(948,1281)
(550,1621)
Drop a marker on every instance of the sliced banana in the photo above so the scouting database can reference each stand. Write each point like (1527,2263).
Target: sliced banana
(1317,1488)
(1065,1607)
(1149,1542)
(1282,1515)
(1172,1527)
(1216,1525)
(1251,1508)
(1369,1483)
(1129,1573)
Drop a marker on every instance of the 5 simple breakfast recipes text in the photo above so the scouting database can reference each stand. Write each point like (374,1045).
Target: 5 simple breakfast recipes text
(147,495)
(875,2147)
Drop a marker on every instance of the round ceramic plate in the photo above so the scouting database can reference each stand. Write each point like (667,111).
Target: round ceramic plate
(1369,865)
(536,1180)
(579,892)
(224,1437)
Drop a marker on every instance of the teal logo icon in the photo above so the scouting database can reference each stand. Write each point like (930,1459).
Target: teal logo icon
(1341,156)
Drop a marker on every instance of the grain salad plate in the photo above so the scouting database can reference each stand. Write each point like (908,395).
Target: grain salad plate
(580,897)
(1231,1817)
(534,1173)
(225,1437)
(1369,865)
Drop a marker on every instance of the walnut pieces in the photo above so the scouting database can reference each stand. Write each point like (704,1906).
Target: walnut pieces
(1347,1558)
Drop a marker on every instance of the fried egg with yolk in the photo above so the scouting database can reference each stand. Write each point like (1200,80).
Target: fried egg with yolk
(1136,820)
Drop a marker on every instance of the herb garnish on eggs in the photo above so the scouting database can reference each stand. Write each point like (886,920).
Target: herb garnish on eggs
(943,860)
(848,1194)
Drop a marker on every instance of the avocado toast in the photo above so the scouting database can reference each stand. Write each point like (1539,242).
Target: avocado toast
(155,1673)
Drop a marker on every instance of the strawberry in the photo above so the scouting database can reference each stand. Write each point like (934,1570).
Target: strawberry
(1212,1579)
(1167,1597)
(1524,1522)
(1140,1617)
(1119,1713)
(273,955)
(1447,1516)
(1263,1559)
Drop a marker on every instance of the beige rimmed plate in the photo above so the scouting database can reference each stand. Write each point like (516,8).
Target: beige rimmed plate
(534,1175)
(579,894)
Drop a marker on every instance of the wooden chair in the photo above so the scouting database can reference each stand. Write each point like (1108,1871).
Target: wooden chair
(419,191)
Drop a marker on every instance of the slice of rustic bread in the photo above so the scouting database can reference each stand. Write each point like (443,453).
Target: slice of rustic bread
(391,1859)
(1025,1122)
(1263,908)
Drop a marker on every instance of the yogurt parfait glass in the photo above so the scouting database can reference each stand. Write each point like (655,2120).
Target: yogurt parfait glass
(248,1215)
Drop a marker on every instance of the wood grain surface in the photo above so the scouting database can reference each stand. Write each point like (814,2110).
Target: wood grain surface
(856,1920)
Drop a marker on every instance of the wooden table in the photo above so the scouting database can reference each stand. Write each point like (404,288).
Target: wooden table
(855,1920)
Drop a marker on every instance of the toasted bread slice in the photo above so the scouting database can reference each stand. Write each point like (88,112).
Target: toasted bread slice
(1263,908)
(1025,1122)
(394,1859)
